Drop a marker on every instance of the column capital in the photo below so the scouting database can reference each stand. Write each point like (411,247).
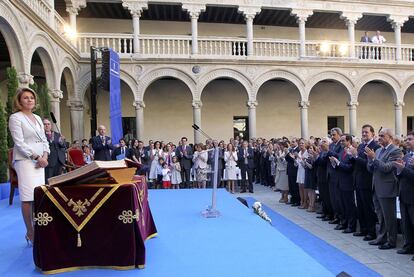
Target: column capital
(194,10)
(249,12)
(56,94)
(197,104)
(25,79)
(301,14)
(399,104)
(351,17)
(135,6)
(352,104)
(74,6)
(304,104)
(75,105)
(139,105)
(397,21)
(252,104)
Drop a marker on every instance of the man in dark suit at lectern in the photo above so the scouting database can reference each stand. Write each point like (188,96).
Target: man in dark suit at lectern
(102,145)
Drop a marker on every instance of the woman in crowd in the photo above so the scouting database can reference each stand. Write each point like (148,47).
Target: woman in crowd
(230,158)
(281,178)
(87,155)
(310,178)
(155,153)
(169,153)
(200,158)
(300,179)
(30,152)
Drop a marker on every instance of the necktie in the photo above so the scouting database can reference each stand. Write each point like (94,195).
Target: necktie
(381,152)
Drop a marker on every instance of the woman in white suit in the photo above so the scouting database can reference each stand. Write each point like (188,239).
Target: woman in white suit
(200,158)
(230,158)
(30,152)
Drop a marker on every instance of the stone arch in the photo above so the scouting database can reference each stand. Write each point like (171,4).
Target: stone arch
(407,84)
(333,76)
(281,75)
(68,72)
(384,78)
(224,73)
(41,44)
(146,80)
(13,33)
(85,80)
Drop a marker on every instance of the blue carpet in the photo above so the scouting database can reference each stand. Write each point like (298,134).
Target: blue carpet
(239,243)
(327,255)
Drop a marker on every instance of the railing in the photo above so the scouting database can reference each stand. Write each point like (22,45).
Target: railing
(120,43)
(276,48)
(152,46)
(41,8)
(166,46)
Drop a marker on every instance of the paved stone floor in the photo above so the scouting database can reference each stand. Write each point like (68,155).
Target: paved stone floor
(385,262)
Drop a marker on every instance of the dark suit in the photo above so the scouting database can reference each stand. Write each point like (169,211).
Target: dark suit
(186,162)
(292,172)
(102,148)
(385,185)
(365,49)
(346,188)
(118,151)
(363,186)
(406,194)
(56,159)
(246,165)
(333,180)
(322,183)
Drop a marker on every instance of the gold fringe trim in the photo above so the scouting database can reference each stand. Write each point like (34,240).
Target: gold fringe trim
(152,236)
(68,269)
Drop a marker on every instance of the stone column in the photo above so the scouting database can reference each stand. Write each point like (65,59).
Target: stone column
(251,105)
(25,79)
(249,15)
(139,115)
(73,12)
(194,11)
(135,9)
(352,107)
(304,105)
(76,119)
(350,20)
(397,22)
(135,24)
(55,96)
(197,104)
(398,118)
(302,16)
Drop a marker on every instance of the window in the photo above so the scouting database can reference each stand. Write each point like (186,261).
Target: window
(335,121)
(241,127)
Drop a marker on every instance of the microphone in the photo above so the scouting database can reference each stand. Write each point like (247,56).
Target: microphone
(52,115)
(195,127)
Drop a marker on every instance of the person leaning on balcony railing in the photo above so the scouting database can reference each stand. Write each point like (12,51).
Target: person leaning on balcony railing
(365,50)
(378,39)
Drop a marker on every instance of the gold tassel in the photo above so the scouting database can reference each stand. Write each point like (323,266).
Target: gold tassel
(79,241)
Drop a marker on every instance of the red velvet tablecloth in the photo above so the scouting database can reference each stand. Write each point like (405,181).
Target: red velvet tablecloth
(91,226)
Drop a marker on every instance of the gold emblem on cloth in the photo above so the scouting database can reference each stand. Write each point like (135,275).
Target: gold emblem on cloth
(79,207)
(127,216)
(42,219)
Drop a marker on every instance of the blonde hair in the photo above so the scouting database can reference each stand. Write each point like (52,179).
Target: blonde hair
(17,98)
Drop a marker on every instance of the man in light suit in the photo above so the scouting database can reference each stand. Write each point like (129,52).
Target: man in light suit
(184,154)
(385,184)
(102,145)
(405,173)
(246,164)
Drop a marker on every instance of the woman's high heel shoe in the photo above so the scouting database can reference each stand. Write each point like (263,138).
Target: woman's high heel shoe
(28,240)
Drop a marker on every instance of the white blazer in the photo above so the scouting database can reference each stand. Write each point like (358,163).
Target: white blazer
(200,159)
(230,161)
(28,138)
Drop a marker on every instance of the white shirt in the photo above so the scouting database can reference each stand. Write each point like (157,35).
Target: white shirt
(378,39)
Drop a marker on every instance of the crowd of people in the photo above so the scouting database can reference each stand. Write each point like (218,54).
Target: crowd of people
(357,180)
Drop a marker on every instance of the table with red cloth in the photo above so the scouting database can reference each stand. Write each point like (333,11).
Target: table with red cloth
(91,226)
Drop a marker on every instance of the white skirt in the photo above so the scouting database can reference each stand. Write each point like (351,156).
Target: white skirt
(28,177)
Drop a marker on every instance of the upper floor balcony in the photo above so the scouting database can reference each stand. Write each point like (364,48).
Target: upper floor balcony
(229,46)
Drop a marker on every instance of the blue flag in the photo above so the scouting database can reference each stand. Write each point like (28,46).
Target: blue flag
(115,100)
